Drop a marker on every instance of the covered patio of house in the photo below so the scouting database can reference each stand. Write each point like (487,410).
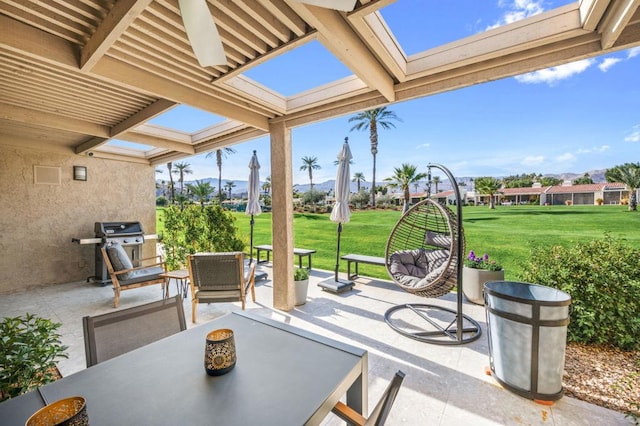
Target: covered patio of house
(78,75)
(444,385)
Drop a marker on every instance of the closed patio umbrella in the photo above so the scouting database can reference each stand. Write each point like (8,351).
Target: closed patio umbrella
(253,204)
(341,213)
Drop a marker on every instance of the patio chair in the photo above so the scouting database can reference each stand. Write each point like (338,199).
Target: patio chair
(124,276)
(422,249)
(380,413)
(424,257)
(114,333)
(219,277)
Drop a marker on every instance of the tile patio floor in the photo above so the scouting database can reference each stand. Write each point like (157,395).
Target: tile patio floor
(445,385)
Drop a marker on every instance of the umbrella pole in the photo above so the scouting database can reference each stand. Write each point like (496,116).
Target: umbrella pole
(251,241)
(338,251)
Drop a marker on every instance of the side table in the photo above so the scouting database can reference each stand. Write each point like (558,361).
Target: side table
(182,281)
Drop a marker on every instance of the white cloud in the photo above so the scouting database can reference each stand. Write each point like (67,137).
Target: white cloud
(634,136)
(633,52)
(595,149)
(532,160)
(424,145)
(517,10)
(566,158)
(608,63)
(555,74)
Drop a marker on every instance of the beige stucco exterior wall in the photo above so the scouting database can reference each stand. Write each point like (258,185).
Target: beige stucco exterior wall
(37,222)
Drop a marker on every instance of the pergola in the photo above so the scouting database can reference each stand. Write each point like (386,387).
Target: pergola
(77,73)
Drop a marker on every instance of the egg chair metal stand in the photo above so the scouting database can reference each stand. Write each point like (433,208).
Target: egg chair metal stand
(423,256)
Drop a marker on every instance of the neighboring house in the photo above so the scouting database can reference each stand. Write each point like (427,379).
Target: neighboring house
(449,197)
(535,194)
(609,193)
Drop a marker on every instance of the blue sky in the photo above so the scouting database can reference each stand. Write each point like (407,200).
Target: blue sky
(573,118)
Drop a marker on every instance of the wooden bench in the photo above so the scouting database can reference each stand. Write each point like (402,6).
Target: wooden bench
(296,251)
(361,258)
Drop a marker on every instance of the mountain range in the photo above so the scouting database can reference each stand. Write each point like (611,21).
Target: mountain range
(240,188)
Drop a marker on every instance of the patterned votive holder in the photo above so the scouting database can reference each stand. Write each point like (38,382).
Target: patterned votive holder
(220,352)
(66,412)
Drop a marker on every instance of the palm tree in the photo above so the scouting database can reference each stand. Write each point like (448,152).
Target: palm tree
(181,170)
(436,180)
(229,186)
(172,192)
(358,177)
(629,174)
(402,178)
(488,186)
(310,164)
(181,199)
(201,191)
(266,186)
(584,180)
(220,154)
(370,120)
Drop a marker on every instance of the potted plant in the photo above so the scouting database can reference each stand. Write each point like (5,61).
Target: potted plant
(301,285)
(476,272)
(29,348)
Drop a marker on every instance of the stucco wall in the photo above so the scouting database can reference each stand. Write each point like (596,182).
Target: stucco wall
(37,222)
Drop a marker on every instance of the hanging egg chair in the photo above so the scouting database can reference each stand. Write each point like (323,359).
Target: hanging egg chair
(424,257)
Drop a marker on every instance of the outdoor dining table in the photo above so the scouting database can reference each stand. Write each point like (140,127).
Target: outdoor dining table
(283,376)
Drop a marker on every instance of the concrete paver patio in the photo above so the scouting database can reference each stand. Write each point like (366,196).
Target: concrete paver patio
(445,385)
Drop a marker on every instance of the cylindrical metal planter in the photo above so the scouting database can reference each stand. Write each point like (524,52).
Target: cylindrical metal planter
(527,329)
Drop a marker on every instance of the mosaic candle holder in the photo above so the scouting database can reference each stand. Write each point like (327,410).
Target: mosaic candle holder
(220,352)
(65,412)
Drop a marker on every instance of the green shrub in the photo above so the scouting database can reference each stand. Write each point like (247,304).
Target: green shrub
(300,274)
(197,230)
(603,279)
(361,198)
(29,349)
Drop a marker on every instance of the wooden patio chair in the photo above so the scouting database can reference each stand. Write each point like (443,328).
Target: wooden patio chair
(114,333)
(219,277)
(380,413)
(124,276)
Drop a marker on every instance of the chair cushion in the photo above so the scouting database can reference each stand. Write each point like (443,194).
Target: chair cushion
(437,240)
(119,259)
(145,274)
(417,268)
(212,296)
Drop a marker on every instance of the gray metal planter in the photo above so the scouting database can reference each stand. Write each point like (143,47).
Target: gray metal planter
(527,329)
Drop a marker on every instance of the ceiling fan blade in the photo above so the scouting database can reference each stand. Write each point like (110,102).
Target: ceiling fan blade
(343,5)
(202,33)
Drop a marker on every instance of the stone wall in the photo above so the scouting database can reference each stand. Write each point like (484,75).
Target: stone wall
(38,221)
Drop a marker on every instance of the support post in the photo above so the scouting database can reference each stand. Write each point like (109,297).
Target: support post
(282,216)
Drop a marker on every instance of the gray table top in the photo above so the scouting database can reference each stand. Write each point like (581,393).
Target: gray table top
(283,376)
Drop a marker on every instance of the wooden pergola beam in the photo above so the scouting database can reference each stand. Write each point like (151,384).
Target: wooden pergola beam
(123,13)
(337,36)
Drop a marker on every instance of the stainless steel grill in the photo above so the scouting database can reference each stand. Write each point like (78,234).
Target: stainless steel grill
(129,234)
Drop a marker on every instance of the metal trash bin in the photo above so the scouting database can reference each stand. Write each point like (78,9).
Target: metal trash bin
(527,330)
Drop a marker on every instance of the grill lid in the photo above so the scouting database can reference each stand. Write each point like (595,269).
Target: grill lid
(113,229)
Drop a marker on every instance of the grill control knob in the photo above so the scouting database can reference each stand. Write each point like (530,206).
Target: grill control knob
(125,241)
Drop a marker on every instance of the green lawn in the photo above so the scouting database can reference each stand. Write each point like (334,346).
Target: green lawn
(504,233)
